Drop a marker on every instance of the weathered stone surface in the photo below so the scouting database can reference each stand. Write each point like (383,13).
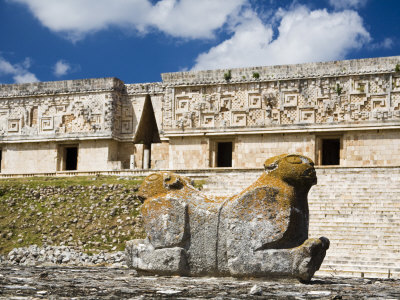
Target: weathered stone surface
(113,283)
(262,231)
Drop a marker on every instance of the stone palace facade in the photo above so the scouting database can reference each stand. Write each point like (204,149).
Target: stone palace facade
(342,113)
(221,125)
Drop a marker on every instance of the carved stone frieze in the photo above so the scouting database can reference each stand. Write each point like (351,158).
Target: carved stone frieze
(357,98)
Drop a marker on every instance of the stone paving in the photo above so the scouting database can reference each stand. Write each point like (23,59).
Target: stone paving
(122,283)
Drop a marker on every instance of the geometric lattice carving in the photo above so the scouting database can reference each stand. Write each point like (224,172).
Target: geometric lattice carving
(360,86)
(290,100)
(46,124)
(126,126)
(127,111)
(254,100)
(307,116)
(225,103)
(208,121)
(13,125)
(256,117)
(239,119)
(182,104)
(378,103)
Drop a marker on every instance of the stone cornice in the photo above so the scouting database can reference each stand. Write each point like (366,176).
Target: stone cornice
(302,128)
(61,87)
(285,72)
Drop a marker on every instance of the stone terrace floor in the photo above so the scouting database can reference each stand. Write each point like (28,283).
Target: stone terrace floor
(112,283)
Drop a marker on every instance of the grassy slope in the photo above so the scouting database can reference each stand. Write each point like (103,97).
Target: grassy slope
(91,213)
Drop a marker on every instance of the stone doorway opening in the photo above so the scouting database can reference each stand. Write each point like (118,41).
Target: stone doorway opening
(147,132)
(68,157)
(224,154)
(330,151)
(71,158)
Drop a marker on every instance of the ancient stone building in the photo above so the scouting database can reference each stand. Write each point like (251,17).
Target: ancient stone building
(345,115)
(84,125)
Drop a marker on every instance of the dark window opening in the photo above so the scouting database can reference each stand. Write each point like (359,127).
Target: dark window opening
(224,154)
(1,158)
(71,158)
(330,152)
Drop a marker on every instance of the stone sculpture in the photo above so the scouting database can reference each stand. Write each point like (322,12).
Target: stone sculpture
(260,232)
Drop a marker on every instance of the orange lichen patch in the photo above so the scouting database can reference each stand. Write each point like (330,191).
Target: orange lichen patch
(294,169)
(273,160)
(283,189)
(162,183)
(155,206)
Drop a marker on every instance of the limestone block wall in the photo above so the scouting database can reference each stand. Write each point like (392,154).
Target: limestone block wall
(94,155)
(252,150)
(188,153)
(358,209)
(358,148)
(29,158)
(249,151)
(160,155)
(48,157)
(371,148)
(125,150)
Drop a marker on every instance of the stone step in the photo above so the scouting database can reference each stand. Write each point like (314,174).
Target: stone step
(359,268)
(357,209)
(356,273)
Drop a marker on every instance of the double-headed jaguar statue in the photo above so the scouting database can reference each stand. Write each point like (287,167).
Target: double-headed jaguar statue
(260,232)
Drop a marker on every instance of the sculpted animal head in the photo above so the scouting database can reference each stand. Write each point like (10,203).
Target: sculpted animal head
(162,183)
(296,170)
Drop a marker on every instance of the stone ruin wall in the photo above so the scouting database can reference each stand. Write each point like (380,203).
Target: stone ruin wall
(35,112)
(101,115)
(331,93)
(285,110)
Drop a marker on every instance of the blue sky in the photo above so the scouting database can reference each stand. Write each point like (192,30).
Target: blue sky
(136,40)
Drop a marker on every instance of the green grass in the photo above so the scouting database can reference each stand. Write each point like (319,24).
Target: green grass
(97,180)
(91,213)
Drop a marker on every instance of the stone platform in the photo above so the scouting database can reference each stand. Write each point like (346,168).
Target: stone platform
(122,283)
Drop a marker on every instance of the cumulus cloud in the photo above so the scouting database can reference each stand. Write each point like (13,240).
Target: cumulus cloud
(387,43)
(302,36)
(345,4)
(61,68)
(179,18)
(19,71)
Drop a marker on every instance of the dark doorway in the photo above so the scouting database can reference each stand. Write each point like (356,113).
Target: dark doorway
(224,154)
(330,152)
(1,158)
(71,158)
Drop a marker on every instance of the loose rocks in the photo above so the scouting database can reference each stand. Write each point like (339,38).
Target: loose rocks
(60,255)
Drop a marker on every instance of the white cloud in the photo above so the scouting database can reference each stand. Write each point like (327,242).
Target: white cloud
(25,78)
(387,43)
(61,68)
(19,72)
(303,36)
(184,18)
(345,4)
